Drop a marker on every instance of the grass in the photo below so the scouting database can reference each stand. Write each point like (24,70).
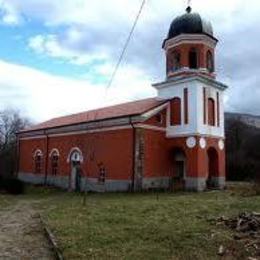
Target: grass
(6,201)
(142,226)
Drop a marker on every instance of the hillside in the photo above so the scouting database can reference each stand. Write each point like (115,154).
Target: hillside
(247,119)
(242,146)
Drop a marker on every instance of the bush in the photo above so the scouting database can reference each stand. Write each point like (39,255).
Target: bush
(12,186)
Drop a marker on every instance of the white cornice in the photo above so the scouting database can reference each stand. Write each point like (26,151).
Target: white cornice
(169,136)
(190,38)
(116,128)
(151,127)
(187,79)
(153,112)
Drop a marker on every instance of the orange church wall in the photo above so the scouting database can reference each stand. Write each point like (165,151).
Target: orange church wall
(113,149)
(27,149)
(156,160)
(159,161)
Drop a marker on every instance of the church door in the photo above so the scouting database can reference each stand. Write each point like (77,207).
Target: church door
(75,180)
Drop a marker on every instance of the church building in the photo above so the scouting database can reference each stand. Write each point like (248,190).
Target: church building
(173,141)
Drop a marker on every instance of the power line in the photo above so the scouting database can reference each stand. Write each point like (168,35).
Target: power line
(126,45)
(121,57)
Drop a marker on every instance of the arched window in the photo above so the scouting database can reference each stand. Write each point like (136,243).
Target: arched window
(176,60)
(176,111)
(211,112)
(75,155)
(102,173)
(38,161)
(193,59)
(210,62)
(54,162)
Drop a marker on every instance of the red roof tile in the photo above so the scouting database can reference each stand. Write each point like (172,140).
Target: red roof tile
(121,110)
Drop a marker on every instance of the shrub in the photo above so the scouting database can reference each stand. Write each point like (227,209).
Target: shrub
(12,186)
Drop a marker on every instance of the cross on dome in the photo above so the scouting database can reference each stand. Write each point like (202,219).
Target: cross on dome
(188,9)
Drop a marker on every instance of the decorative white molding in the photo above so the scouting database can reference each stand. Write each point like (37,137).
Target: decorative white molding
(188,79)
(92,131)
(221,145)
(78,155)
(203,143)
(154,111)
(32,137)
(150,127)
(37,152)
(169,136)
(187,69)
(190,38)
(191,142)
(54,150)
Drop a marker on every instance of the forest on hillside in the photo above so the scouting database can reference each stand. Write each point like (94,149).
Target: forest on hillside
(242,150)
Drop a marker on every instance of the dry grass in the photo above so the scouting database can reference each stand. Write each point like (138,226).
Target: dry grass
(143,226)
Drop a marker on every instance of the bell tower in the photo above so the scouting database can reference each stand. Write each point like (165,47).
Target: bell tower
(190,46)
(195,118)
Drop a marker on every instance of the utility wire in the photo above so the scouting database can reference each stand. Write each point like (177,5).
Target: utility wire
(126,45)
(117,67)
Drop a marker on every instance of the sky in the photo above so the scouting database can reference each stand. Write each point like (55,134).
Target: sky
(57,57)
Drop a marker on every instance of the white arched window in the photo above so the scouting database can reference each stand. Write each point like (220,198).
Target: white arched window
(75,155)
(54,157)
(38,161)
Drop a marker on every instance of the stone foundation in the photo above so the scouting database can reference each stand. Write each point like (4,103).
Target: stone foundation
(87,184)
(156,183)
(92,184)
(195,184)
(218,182)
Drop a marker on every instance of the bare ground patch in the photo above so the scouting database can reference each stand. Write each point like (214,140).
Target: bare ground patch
(21,233)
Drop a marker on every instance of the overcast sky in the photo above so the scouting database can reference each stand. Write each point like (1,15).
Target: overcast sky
(56,57)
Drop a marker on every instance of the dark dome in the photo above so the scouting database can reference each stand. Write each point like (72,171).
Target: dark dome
(190,23)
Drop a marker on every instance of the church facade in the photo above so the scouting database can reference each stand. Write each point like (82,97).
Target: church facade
(173,141)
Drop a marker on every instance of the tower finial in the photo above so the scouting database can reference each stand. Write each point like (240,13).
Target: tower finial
(188,9)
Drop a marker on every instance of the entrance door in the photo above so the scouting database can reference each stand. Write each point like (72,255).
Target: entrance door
(179,170)
(212,167)
(75,180)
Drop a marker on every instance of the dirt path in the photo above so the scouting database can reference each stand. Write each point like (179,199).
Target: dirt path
(21,234)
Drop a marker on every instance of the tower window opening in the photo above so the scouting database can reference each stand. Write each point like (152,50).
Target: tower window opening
(176,111)
(176,60)
(210,62)
(211,112)
(193,59)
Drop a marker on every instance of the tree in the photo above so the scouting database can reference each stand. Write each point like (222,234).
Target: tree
(11,122)
(243,150)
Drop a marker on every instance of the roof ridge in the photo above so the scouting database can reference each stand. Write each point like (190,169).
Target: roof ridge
(101,108)
(130,108)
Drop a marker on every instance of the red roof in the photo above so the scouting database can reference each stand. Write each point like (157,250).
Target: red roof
(121,110)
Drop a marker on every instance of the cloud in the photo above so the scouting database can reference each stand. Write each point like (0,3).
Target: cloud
(42,95)
(92,33)
(9,13)
(57,47)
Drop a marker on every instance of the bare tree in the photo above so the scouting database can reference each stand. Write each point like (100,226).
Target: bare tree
(10,123)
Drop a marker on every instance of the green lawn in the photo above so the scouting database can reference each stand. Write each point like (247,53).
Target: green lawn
(142,226)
